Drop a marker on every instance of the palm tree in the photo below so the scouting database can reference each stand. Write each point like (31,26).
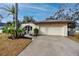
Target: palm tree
(13,10)
(10,10)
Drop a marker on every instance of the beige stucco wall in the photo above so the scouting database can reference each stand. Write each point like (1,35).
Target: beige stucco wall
(65,30)
(31,24)
(54,29)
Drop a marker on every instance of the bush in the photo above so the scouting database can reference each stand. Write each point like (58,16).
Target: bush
(4,29)
(20,31)
(10,29)
(36,31)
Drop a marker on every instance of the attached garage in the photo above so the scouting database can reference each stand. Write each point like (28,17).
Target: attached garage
(59,28)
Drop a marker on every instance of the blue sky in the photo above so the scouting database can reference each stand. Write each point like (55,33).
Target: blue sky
(39,11)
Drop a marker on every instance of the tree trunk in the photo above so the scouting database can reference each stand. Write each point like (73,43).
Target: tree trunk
(16,19)
(13,17)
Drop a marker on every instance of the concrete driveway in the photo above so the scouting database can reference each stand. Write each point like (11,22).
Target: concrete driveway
(51,46)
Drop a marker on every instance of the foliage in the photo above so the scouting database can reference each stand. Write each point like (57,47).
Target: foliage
(10,29)
(28,19)
(61,13)
(51,17)
(20,31)
(36,31)
(10,10)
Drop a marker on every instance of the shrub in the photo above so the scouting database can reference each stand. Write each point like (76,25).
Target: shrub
(10,29)
(36,31)
(4,29)
(20,31)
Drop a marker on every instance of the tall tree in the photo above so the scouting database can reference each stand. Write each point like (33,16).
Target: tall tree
(28,19)
(13,10)
(59,14)
(72,14)
(50,18)
(10,10)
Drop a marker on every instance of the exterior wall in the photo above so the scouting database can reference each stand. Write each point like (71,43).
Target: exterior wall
(53,29)
(31,24)
(65,30)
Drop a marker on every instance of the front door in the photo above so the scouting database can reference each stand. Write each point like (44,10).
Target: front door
(28,29)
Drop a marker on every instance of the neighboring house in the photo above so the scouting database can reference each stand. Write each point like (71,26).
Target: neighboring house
(49,27)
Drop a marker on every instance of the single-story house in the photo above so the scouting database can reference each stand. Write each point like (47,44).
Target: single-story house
(49,27)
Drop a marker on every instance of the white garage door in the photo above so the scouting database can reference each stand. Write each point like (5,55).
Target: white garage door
(55,31)
(51,30)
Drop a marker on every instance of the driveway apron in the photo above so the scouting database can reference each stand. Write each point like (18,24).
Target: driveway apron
(51,46)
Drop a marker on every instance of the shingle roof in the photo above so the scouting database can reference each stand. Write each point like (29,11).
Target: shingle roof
(54,21)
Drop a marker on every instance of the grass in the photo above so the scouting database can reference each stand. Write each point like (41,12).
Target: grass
(9,47)
(75,37)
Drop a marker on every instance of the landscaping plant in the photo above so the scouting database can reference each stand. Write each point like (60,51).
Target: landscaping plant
(36,31)
(10,29)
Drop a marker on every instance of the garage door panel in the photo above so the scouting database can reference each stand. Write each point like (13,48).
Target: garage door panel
(43,30)
(51,30)
(54,31)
